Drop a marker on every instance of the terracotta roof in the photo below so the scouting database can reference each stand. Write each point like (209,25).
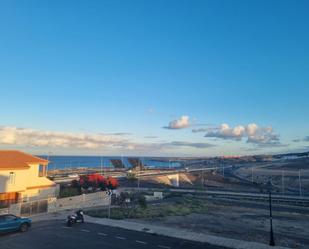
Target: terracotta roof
(14,159)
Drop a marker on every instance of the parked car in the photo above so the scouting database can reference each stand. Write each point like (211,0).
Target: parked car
(10,223)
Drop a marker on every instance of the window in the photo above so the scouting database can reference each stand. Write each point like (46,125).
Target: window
(41,170)
(12,177)
(9,217)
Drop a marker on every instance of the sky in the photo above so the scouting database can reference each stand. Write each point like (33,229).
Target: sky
(157,78)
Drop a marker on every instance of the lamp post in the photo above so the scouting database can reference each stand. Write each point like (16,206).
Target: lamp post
(271,239)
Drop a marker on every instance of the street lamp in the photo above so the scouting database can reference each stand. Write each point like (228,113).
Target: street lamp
(271,240)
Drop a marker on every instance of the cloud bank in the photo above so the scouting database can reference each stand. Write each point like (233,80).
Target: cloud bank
(180,123)
(36,138)
(254,134)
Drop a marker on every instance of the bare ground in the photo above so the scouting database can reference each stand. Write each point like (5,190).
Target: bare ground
(245,223)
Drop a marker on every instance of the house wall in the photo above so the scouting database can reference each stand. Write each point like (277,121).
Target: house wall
(19,184)
(27,182)
(33,177)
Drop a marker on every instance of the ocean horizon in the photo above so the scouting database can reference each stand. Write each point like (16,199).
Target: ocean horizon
(68,162)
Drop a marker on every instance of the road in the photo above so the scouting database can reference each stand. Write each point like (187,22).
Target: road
(54,234)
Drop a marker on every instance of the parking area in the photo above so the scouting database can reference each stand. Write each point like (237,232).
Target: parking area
(55,234)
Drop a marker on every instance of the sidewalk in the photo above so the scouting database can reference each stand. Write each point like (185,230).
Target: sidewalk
(165,231)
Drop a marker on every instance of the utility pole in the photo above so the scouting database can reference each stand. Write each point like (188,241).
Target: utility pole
(47,164)
(223,170)
(271,239)
(104,168)
(110,203)
(300,192)
(101,166)
(138,181)
(252,174)
(282,182)
(138,174)
(203,177)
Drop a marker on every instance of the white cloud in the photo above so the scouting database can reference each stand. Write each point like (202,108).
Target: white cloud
(224,131)
(180,123)
(37,138)
(252,132)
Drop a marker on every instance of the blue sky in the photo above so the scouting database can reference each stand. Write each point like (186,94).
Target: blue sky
(75,70)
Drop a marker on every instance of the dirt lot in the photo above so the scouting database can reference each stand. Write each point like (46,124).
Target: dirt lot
(244,222)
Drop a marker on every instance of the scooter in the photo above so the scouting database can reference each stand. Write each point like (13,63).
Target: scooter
(74,218)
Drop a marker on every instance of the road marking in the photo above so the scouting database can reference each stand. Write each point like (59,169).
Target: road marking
(141,242)
(165,247)
(67,227)
(103,234)
(14,235)
(118,237)
(84,230)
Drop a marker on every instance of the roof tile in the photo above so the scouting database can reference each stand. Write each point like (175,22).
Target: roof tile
(14,159)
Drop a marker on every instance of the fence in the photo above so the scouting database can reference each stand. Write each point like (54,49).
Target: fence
(34,207)
(53,204)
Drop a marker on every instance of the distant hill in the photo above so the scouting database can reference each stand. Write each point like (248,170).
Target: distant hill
(292,155)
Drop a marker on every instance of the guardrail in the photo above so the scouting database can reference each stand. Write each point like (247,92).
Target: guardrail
(279,199)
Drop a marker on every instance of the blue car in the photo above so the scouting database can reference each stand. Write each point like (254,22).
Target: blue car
(10,223)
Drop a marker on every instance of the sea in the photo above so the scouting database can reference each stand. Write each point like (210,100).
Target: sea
(69,162)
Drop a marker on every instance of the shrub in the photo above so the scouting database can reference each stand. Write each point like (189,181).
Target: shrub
(93,181)
(112,183)
(68,192)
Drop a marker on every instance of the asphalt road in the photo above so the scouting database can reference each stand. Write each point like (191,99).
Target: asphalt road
(54,234)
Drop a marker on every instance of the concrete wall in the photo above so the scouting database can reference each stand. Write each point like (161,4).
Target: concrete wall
(75,202)
(155,196)
(12,209)
(4,211)
(80,201)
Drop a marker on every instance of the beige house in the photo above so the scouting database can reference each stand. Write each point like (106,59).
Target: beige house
(23,177)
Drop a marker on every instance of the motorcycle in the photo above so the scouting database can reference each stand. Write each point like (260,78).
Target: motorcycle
(74,218)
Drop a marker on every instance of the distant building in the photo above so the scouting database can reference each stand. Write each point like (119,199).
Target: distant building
(23,178)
